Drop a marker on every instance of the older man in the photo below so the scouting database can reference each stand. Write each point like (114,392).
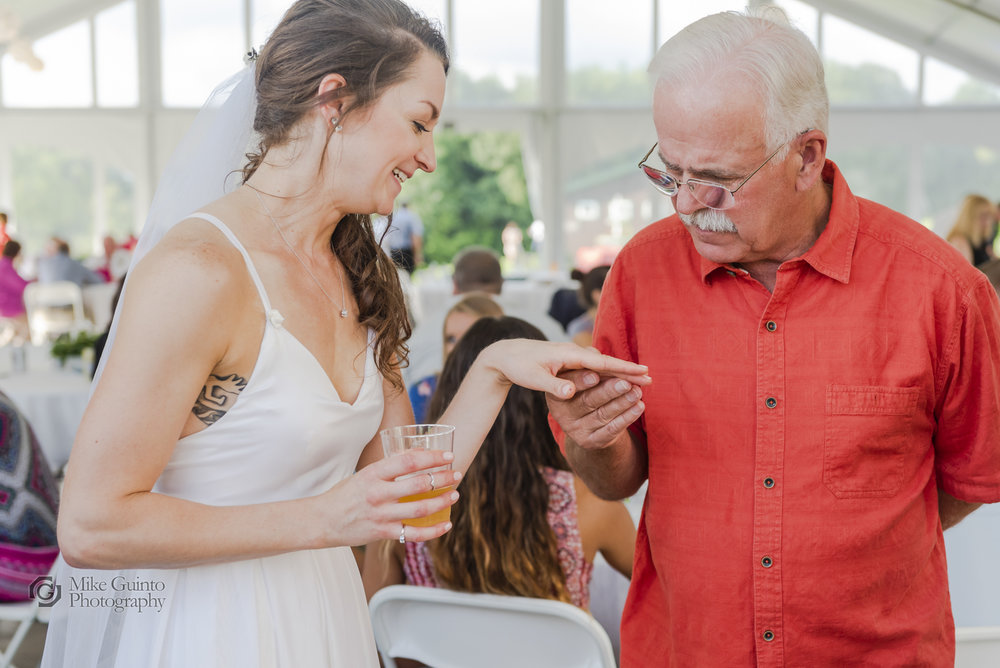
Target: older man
(826,379)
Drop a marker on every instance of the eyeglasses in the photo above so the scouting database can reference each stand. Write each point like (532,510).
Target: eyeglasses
(712,195)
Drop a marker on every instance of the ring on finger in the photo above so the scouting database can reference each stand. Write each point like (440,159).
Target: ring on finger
(402,534)
(433,487)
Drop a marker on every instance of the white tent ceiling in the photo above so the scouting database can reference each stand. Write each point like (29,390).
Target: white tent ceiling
(963,33)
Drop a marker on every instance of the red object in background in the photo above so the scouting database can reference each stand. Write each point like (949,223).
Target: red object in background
(588,257)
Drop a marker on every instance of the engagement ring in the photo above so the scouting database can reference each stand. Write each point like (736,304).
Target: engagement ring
(432,481)
(402,535)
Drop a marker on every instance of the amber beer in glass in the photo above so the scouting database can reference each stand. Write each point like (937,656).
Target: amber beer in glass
(397,440)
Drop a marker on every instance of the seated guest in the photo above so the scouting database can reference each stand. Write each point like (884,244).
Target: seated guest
(525,525)
(29,498)
(975,229)
(12,294)
(476,269)
(459,318)
(581,329)
(57,265)
(4,235)
(105,270)
(565,305)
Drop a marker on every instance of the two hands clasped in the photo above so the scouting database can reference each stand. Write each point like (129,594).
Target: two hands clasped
(594,398)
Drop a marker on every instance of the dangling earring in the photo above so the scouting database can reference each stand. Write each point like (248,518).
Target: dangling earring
(335,122)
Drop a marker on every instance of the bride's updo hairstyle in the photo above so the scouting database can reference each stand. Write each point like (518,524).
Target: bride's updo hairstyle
(373,44)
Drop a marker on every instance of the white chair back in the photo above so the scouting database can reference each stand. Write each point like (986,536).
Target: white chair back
(448,629)
(24,614)
(977,647)
(53,309)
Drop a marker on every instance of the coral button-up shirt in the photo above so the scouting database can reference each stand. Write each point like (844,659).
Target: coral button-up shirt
(797,440)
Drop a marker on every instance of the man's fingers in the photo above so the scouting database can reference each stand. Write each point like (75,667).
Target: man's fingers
(607,391)
(604,431)
(581,378)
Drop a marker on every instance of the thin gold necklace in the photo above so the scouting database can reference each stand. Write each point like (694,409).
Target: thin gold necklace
(343,295)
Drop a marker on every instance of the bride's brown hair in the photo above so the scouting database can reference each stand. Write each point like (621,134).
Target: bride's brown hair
(373,44)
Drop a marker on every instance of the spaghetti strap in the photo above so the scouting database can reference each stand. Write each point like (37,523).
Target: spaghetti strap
(207,217)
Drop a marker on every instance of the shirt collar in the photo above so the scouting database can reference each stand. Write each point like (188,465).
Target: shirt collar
(831,254)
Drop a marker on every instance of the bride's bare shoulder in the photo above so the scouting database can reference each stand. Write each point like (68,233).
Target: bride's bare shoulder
(193,252)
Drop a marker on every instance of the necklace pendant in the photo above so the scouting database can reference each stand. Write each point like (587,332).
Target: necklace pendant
(343,313)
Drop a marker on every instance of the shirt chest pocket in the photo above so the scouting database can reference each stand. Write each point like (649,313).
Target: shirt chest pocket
(867,431)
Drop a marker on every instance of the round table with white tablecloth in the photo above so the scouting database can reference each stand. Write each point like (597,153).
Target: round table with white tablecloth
(53,401)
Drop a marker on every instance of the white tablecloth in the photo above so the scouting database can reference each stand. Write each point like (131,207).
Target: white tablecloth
(53,401)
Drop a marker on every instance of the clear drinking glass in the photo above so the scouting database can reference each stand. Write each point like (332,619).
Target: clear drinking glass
(398,440)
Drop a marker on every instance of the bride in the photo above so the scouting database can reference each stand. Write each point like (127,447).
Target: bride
(229,458)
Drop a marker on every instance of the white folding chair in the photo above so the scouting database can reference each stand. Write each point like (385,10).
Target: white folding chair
(53,309)
(977,647)
(24,614)
(449,629)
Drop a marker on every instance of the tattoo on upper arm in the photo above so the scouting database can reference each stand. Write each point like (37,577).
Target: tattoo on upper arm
(217,397)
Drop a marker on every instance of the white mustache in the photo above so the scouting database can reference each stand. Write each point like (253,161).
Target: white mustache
(709,220)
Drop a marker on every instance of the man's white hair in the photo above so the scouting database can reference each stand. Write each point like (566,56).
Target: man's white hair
(760,43)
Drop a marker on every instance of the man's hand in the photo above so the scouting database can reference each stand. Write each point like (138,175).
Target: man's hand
(600,410)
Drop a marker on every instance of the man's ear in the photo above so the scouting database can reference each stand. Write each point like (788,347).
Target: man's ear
(332,88)
(811,147)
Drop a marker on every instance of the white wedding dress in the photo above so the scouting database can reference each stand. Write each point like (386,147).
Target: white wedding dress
(288,436)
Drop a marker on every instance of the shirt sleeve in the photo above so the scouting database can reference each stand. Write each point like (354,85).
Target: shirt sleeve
(967,442)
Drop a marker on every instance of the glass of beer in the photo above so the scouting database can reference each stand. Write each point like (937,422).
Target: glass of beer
(397,440)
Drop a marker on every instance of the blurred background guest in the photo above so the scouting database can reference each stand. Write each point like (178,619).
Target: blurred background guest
(512,240)
(29,499)
(55,264)
(404,239)
(4,235)
(581,328)
(975,229)
(104,269)
(565,305)
(459,318)
(475,269)
(15,320)
(525,525)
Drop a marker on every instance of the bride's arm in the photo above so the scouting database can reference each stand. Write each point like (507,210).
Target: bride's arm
(179,313)
(532,364)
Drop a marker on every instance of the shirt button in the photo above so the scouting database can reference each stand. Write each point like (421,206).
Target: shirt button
(766,562)
(771,402)
(768,635)
(769,482)
(771,325)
